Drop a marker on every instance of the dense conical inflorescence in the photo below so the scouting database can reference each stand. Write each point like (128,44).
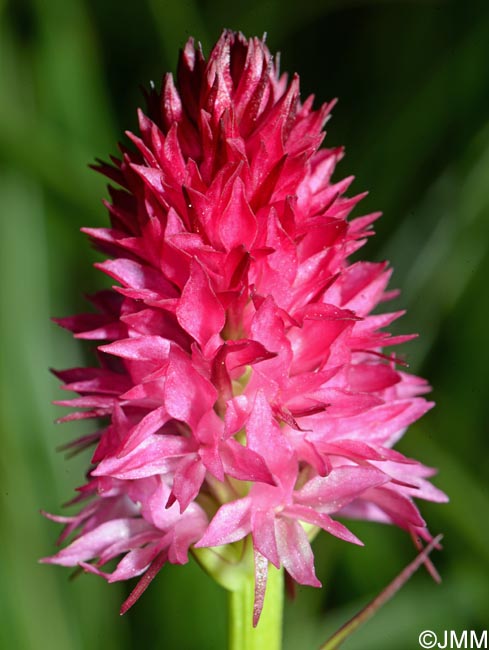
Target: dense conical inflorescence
(242,383)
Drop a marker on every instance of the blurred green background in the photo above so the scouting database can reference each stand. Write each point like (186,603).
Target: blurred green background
(413,83)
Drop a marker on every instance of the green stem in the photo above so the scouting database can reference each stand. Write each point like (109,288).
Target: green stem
(267,635)
(386,594)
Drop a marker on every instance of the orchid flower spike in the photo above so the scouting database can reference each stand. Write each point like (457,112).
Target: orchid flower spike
(242,383)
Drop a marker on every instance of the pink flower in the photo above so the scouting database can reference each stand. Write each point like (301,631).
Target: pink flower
(242,383)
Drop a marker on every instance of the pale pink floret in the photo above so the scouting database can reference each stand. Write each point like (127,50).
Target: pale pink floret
(242,378)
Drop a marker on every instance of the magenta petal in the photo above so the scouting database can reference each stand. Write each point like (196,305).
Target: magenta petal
(187,530)
(237,225)
(342,485)
(263,530)
(199,311)
(241,353)
(295,551)
(152,456)
(307,514)
(142,348)
(92,544)
(399,508)
(261,573)
(144,582)
(133,275)
(134,563)
(236,415)
(209,434)
(146,427)
(372,377)
(187,394)
(244,463)
(230,523)
(265,438)
(188,480)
